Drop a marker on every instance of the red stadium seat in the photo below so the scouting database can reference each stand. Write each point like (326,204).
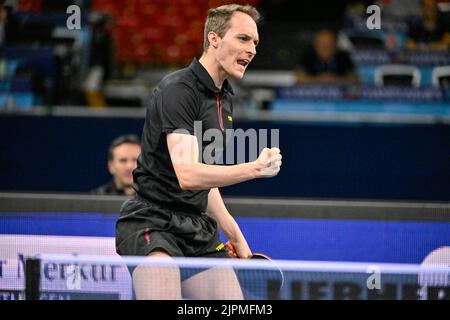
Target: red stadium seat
(30,5)
(158,30)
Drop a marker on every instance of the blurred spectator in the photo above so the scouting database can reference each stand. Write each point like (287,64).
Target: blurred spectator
(122,156)
(101,49)
(324,63)
(430,32)
(8,23)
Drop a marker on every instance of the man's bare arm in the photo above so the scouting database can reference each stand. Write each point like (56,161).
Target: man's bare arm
(192,175)
(217,210)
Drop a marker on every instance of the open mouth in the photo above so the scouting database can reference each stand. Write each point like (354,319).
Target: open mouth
(243,62)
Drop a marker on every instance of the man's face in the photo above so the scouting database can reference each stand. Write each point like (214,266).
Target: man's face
(325,45)
(123,164)
(238,46)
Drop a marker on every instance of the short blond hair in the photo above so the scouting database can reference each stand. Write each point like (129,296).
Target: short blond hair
(218,19)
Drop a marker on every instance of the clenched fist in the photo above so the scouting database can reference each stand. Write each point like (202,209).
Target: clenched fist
(269,162)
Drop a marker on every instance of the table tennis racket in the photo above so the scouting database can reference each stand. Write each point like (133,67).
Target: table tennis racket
(273,277)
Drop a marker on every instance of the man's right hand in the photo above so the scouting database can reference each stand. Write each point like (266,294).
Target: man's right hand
(238,250)
(269,162)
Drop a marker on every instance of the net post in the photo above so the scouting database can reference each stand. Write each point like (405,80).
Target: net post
(32,278)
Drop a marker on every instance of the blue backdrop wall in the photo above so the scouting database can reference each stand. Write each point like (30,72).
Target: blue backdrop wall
(337,160)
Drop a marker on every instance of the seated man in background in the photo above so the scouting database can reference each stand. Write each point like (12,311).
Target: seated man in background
(431,33)
(122,156)
(324,63)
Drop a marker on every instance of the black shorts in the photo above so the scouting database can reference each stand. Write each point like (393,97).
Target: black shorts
(143,227)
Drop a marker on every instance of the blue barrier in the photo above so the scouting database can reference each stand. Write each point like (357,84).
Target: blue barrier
(419,58)
(22,100)
(320,160)
(405,96)
(362,106)
(287,238)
